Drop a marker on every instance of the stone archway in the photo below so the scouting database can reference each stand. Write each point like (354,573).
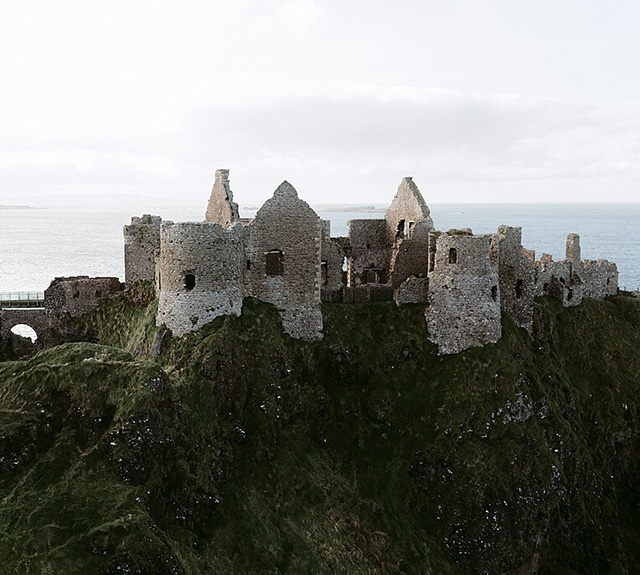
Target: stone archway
(25,330)
(37,319)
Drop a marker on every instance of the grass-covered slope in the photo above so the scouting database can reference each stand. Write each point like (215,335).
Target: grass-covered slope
(241,450)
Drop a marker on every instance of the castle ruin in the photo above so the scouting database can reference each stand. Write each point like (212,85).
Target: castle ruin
(286,256)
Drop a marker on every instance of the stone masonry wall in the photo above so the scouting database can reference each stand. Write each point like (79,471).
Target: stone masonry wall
(369,252)
(141,248)
(200,274)
(407,209)
(464,296)
(332,260)
(78,295)
(283,265)
(573,279)
(221,208)
(600,278)
(516,277)
(409,256)
(412,290)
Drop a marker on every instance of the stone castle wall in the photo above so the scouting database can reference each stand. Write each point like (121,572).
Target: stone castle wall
(141,248)
(332,275)
(409,256)
(286,256)
(283,261)
(406,210)
(221,208)
(200,274)
(464,293)
(516,276)
(367,263)
(600,278)
(77,295)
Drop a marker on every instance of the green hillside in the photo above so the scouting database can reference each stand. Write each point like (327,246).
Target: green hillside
(241,450)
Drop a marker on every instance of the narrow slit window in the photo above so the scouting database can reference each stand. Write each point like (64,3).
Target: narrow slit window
(453,256)
(519,288)
(493,251)
(400,230)
(324,270)
(494,293)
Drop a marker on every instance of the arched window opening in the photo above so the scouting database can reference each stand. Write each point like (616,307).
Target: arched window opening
(519,288)
(453,256)
(274,264)
(26,331)
(189,281)
(494,293)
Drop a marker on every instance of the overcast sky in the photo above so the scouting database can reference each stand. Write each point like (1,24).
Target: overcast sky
(478,100)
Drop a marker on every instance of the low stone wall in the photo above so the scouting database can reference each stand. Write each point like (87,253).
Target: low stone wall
(77,295)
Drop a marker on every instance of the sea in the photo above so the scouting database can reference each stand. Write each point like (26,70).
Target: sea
(37,245)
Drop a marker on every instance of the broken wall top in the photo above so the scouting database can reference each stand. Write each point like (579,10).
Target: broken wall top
(221,208)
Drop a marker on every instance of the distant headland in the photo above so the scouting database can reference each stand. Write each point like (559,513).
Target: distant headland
(2,207)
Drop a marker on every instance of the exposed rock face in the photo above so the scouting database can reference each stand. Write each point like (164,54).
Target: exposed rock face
(221,208)
(238,450)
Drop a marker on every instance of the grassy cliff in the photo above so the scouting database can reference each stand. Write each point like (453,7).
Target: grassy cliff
(240,450)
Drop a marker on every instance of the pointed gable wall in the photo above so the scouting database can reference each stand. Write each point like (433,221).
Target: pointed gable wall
(408,225)
(407,209)
(283,261)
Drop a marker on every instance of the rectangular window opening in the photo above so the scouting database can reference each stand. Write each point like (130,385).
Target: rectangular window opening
(274,263)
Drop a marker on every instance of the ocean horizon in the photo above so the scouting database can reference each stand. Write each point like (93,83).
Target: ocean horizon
(38,245)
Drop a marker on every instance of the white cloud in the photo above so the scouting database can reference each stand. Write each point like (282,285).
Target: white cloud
(478,100)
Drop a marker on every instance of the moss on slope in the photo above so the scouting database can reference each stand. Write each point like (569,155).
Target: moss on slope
(245,451)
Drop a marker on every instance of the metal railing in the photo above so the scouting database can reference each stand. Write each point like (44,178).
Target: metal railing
(22,299)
